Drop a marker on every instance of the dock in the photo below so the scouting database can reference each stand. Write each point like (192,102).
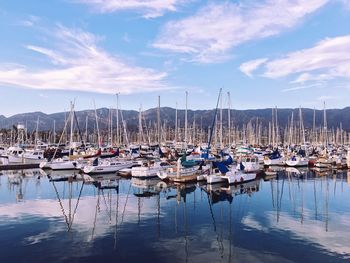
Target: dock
(19,166)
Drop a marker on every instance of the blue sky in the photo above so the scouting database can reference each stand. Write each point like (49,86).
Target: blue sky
(284,53)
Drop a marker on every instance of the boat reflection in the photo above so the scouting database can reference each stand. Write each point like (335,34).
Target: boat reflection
(297,206)
(224,192)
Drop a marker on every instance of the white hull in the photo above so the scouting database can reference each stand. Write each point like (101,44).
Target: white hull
(112,168)
(275,162)
(170,173)
(322,165)
(59,165)
(298,162)
(239,177)
(146,172)
(215,178)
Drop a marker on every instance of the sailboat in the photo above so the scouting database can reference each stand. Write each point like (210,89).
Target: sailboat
(234,175)
(148,170)
(64,163)
(274,159)
(101,166)
(182,174)
(298,160)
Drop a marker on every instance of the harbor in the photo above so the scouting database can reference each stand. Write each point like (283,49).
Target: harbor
(174,131)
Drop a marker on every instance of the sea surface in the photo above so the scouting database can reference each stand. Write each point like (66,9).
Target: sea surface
(295,216)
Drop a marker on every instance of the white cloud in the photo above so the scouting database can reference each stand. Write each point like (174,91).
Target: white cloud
(310,230)
(314,231)
(250,66)
(328,59)
(218,27)
(148,8)
(299,87)
(77,63)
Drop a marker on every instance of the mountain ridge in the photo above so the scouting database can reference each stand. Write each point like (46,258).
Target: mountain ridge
(201,117)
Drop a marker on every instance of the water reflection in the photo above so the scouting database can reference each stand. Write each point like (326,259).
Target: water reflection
(287,215)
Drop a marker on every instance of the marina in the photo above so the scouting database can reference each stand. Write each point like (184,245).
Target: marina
(174,131)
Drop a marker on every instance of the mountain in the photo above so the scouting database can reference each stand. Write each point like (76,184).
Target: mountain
(201,117)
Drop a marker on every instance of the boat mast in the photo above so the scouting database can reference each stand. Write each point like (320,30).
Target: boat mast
(324,125)
(221,146)
(186,120)
(71,128)
(86,128)
(98,130)
(314,128)
(176,124)
(158,122)
(229,119)
(36,133)
(111,131)
(118,135)
(273,128)
(140,125)
(277,130)
(54,131)
(214,120)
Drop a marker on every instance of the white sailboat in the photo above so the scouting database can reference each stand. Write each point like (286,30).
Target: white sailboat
(182,174)
(149,171)
(107,166)
(233,176)
(297,161)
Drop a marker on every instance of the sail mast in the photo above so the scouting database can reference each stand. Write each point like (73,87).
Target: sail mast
(229,118)
(176,124)
(118,135)
(98,130)
(186,120)
(158,122)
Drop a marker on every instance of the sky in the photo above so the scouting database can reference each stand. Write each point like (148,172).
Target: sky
(284,53)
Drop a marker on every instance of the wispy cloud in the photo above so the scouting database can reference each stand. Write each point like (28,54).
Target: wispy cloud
(301,87)
(329,58)
(328,61)
(148,8)
(78,63)
(215,29)
(30,21)
(249,67)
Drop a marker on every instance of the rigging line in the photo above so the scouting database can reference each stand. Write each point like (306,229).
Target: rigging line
(272,194)
(315,198)
(280,199)
(79,131)
(60,202)
(95,219)
(220,244)
(116,219)
(126,201)
(76,206)
(104,199)
(186,237)
(230,233)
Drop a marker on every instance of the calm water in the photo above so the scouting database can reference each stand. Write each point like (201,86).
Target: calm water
(299,216)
